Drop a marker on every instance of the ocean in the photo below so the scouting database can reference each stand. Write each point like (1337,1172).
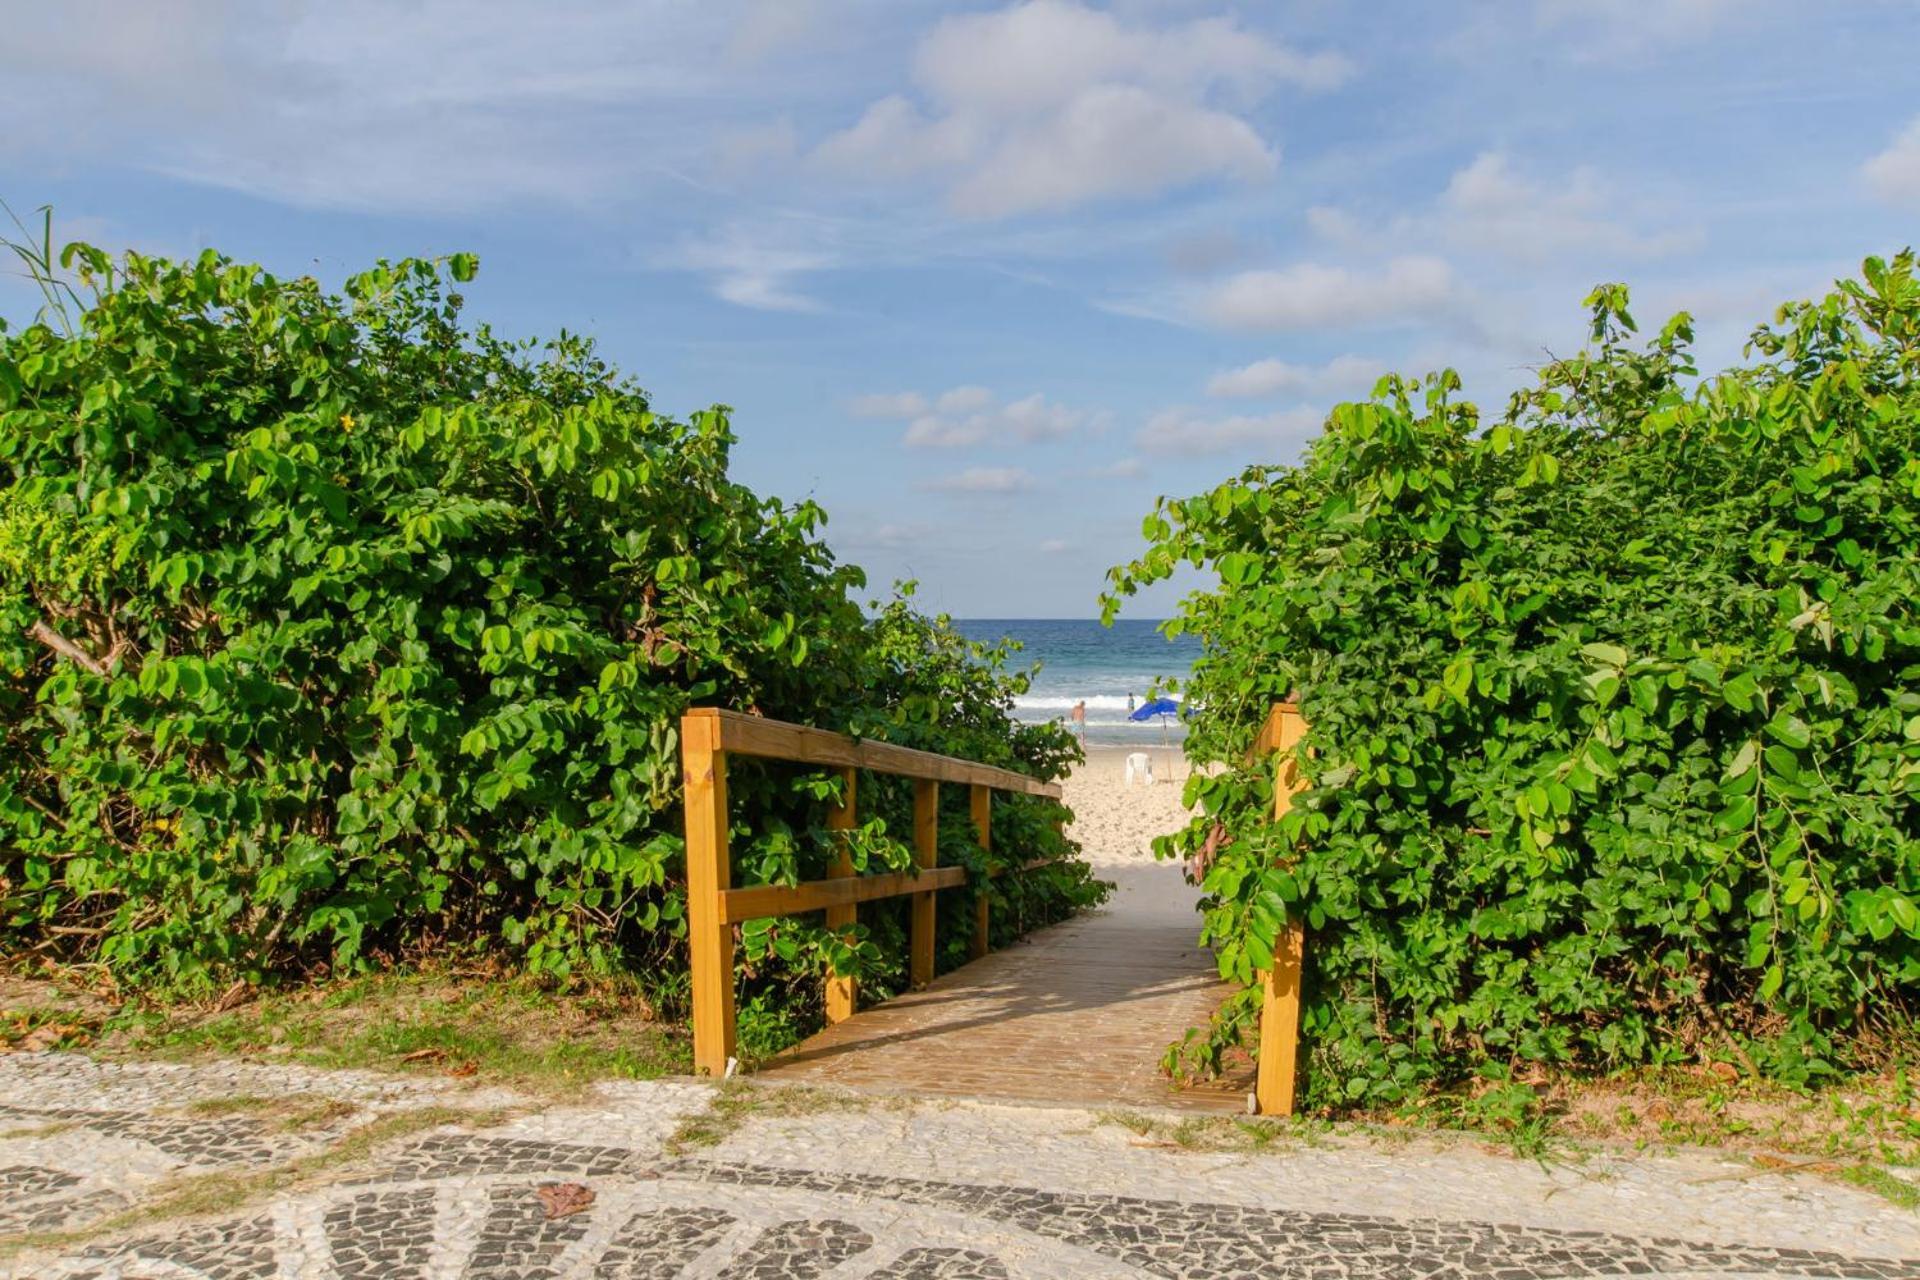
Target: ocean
(1104,665)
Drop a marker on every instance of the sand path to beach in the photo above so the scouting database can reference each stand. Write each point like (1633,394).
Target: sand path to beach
(1081,1012)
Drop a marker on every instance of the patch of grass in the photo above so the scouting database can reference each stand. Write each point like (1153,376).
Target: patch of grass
(1883,1184)
(1221,1133)
(38,1028)
(290,1115)
(736,1102)
(39,1130)
(490,1030)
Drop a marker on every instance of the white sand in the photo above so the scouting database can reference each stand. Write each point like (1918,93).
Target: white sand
(1114,823)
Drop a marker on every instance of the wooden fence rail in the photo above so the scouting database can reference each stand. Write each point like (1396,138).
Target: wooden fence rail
(1276,1059)
(714,906)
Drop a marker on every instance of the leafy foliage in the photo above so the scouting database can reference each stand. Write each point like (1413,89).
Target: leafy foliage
(332,629)
(1613,708)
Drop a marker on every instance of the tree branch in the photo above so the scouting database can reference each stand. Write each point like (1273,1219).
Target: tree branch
(73,653)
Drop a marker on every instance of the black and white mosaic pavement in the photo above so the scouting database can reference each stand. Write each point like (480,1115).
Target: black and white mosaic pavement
(468,1206)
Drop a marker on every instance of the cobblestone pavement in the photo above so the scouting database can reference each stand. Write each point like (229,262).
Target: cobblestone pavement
(860,1188)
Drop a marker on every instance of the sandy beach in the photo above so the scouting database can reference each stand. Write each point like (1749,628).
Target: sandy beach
(1114,823)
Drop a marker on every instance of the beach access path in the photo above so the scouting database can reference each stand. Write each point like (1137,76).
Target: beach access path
(1081,1012)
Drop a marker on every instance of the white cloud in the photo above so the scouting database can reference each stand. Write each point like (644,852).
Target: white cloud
(1044,52)
(751,152)
(1894,174)
(1190,433)
(963,416)
(769,28)
(989,480)
(1055,546)
(964,399)
(892,139)
(1490,207)
(1112,140)
(1120,469)
(1348,375)
(1314,296)
(751,268)
(888,404)
(1613,27)
(569,103)
(1048,104)
(884,537)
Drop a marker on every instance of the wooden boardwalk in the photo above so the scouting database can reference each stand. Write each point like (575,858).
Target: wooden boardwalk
(1079,1013)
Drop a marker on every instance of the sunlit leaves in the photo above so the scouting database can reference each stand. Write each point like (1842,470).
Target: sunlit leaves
(1613,704)
(366,631)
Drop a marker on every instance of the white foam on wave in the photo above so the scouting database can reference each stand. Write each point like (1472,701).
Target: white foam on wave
(1095,702)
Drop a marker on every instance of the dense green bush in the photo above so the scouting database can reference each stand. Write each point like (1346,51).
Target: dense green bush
(333,630)
(1613,706)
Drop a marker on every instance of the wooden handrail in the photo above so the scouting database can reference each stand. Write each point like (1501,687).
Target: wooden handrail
(762,900)
(1277,1058)
(707,737)
(778,740)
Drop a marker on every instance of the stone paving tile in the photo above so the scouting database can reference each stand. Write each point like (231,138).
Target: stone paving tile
(953,1192)
(35,1079)
(1081,1012)
(965,1193)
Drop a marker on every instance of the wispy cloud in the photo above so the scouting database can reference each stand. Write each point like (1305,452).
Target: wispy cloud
(1342,375)
(1489,207)
(984,480)
(1894,174)
(1189,433)
(1311,295)
(964,416)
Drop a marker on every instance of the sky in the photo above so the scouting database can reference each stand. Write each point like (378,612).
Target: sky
(984,279)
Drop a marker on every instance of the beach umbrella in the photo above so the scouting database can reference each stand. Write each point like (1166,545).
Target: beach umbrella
(1163,709)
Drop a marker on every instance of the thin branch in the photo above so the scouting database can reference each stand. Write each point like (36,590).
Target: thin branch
(66,648)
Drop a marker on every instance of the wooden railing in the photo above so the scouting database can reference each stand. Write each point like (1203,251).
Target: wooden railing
(1277,1056)
(714,906)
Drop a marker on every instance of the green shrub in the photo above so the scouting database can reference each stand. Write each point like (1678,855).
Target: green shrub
(1613,707)
(333,630)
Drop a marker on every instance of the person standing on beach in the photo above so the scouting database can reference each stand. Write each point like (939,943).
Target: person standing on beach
(1079,717)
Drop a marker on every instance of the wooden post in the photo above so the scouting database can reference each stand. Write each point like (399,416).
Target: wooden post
(841,996)
(1280,999)
(709,874)
(980,800)
(926,855)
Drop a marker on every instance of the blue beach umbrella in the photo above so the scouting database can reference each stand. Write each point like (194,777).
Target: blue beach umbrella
(1156,707)
(1161,709)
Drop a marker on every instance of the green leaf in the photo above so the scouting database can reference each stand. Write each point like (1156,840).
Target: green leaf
(1790,729)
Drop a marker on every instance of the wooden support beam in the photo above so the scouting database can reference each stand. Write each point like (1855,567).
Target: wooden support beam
(759,900)
(1277,1061)
(926,853)
(709,937)
(746,735)
(841,996)
(980,802)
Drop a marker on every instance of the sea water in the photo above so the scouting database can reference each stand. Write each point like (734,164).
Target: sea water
(1106,666)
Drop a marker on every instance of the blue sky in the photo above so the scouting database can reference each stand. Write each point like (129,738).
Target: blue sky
(984,279)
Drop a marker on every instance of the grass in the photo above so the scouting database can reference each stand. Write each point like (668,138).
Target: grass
(736,1102)
(287,1115)
(1855,1133)
(490,1030)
